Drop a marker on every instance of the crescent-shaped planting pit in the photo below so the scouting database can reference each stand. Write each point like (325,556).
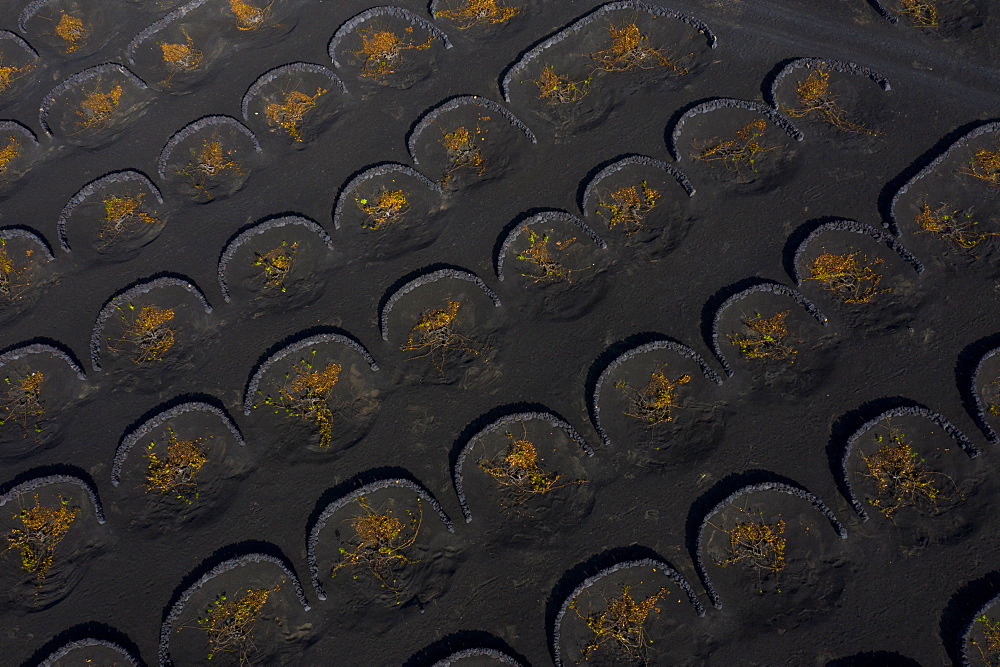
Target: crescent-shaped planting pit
(113,215)
(382,54)
(37,393)
(764,287)
(246,600)
(255,378)
(26,269)
(534,54)
(768,531)
(186,45)
(825,64)
(522,446)
(717,104)
(541,264)
(457,102)
(159,26)
(457,658)
(91,651)
(979,636)
(359,495)
(293,100)
(588,205)
(379,209)
(53,532)
(654,566)
(427,279)
(854,227)
(149,335)
(442,320)
(94,106)
(320,389)
(153,423)
(963,141)
(841,470)
(69,29)
(209,158)
(17,59)
(271,266)
(19,152)
(37,483)
(594,399)
(991,406)
(476,140)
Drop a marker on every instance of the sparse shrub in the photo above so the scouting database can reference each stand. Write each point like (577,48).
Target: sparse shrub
(175,474)
(14,276)
(43,528)
(656,402)
(622,624)
(922,12)
(628,206)
(22,401)
(124,216)
(274,266)
(180,57)
(985,166)
(989,647)
(903,479)
(379,544)
(758,547)
(434,336)
(463,152)
(992,392)
(210,161)
(387,207)
(72,31)
(850,278)
(478,13)
(9,152)
(306,395)
(956,227)
(765,338)
(248,16)
(229,624)
(381,51)
(742,151)
(815,98)
(630,50)
(11,73)
(546,267)
(147,337)
(98,108)
(290,114)
(560,88)
(517,470)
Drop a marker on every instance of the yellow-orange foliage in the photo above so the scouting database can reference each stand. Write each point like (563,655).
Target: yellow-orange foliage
(478,12)
(766,339)
(43,528)
(851,279)
(177,472)
(72,31)
(379,543)
(97,108)
(306,395)
(22,401)
(622,623)
(630,50)
(289,115)
(147,337)
(388,206)
(815,98)
(248,16)
(382,51)
(230,623)
(655,403)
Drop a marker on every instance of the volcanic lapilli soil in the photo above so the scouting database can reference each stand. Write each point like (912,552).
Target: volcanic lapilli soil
(885,588)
